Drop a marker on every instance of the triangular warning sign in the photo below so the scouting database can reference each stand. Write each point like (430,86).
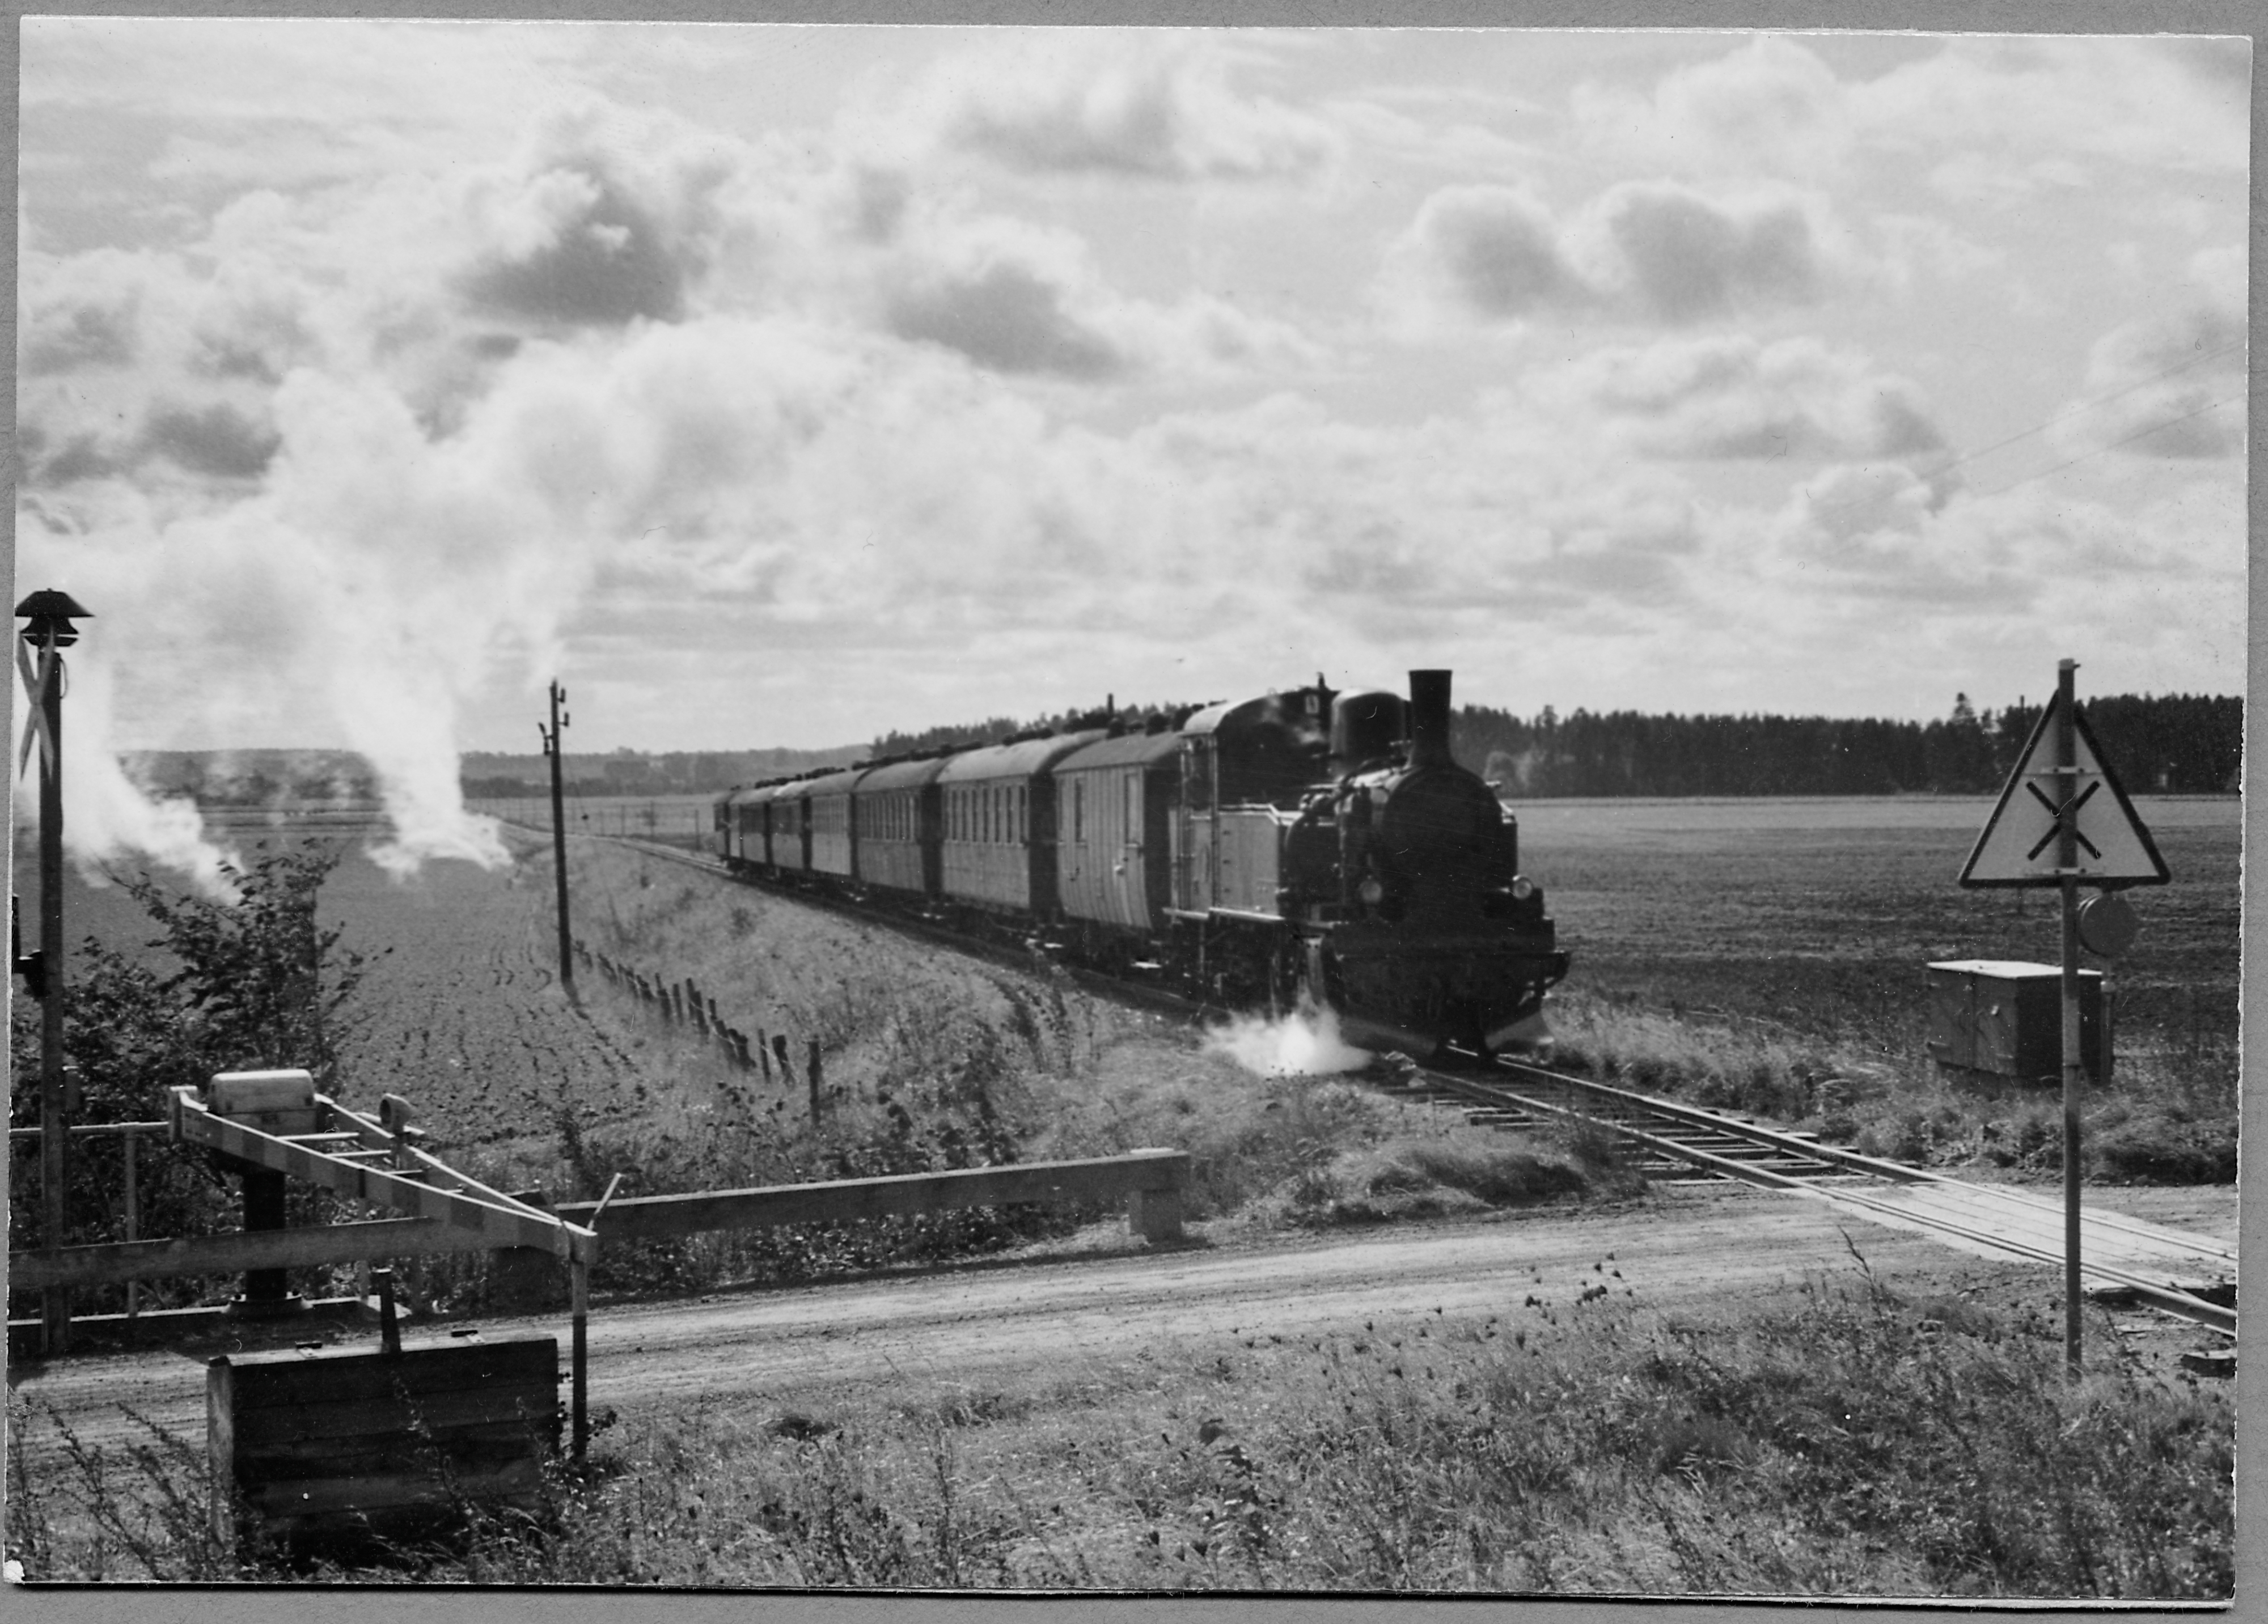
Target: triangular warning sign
(2019,845)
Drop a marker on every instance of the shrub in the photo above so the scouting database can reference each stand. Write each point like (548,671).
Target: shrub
(259,984)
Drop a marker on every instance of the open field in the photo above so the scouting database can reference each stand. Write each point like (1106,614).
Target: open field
(1820,914)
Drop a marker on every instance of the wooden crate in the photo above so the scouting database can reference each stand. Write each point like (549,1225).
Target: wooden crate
(327,1446)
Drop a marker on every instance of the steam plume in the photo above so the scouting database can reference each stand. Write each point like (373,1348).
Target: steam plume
(1304,1043)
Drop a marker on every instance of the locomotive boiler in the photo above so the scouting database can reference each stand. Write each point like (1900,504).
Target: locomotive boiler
(1304,843)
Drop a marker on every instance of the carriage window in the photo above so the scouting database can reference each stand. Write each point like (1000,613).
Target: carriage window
(1078,811)
(1133,808)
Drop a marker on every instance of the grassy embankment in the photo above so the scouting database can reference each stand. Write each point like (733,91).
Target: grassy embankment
(933,1060)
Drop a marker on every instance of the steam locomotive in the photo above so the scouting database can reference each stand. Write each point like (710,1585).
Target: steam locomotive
(1309,842)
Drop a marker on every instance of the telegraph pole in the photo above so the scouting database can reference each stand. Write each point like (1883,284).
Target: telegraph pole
(48,629)
(559,719)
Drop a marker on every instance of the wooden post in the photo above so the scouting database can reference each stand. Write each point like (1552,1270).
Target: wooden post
(267,1291)
(389,1327)
(133,1221)
(779,1054)
(2067,791)
(811,1070)
(764,1055)
(579,1276)
(580,1285)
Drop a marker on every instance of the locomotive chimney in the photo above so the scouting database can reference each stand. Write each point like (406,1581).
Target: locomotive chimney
(1429,718)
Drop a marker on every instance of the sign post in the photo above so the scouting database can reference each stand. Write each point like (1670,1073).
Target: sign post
(2066,790)
(2096,840)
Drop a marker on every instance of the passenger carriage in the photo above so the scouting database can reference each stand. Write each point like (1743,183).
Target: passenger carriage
(830,841)
(998,820)
(1114,851)
(894,816)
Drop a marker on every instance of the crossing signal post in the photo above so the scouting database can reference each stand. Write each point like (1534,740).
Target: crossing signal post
(47,616)
(2054,825)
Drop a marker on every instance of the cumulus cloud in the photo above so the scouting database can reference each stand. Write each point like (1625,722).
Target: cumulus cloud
(1491,250)
(215,440)
(2172,385)
(1657,252)
(1143,103)
(1684,258)
(1734,397)
(1008,318)
(2018,114)
(597,259)
(1769,104)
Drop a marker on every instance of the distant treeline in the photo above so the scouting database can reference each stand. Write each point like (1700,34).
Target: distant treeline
(995,729)
(637,772)
(2178,743)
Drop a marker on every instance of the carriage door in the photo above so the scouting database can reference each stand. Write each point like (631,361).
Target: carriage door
(1157,782)
(1194,859)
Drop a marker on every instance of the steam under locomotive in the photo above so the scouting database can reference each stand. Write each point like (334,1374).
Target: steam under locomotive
(1303,842)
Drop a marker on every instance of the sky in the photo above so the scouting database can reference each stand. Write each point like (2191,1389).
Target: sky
(777,385)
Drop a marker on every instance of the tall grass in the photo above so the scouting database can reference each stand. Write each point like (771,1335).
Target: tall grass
(2168,1115)
(1854,1441)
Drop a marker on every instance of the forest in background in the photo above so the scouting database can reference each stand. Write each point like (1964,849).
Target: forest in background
(2174,744)
(2170,744)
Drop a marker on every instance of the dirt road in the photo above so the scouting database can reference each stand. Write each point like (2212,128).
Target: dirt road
(787,1347)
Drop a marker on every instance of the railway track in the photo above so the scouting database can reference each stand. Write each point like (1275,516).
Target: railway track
(1676,1140)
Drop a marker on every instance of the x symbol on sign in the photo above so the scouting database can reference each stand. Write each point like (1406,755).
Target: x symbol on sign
(2069,809)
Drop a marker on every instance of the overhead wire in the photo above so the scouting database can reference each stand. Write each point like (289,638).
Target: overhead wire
(2042,427)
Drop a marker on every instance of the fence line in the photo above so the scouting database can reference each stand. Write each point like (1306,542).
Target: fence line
(1150,1181)
(131,1132)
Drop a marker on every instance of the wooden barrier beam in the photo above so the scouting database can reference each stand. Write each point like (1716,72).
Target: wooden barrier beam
(115,1261)
(1151,1182)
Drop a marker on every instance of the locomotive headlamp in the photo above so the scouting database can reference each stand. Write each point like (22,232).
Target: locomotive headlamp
(1522,887)
(1371,891)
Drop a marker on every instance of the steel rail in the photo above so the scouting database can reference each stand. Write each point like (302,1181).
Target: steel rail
(1797,1145)
(2172,1299)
